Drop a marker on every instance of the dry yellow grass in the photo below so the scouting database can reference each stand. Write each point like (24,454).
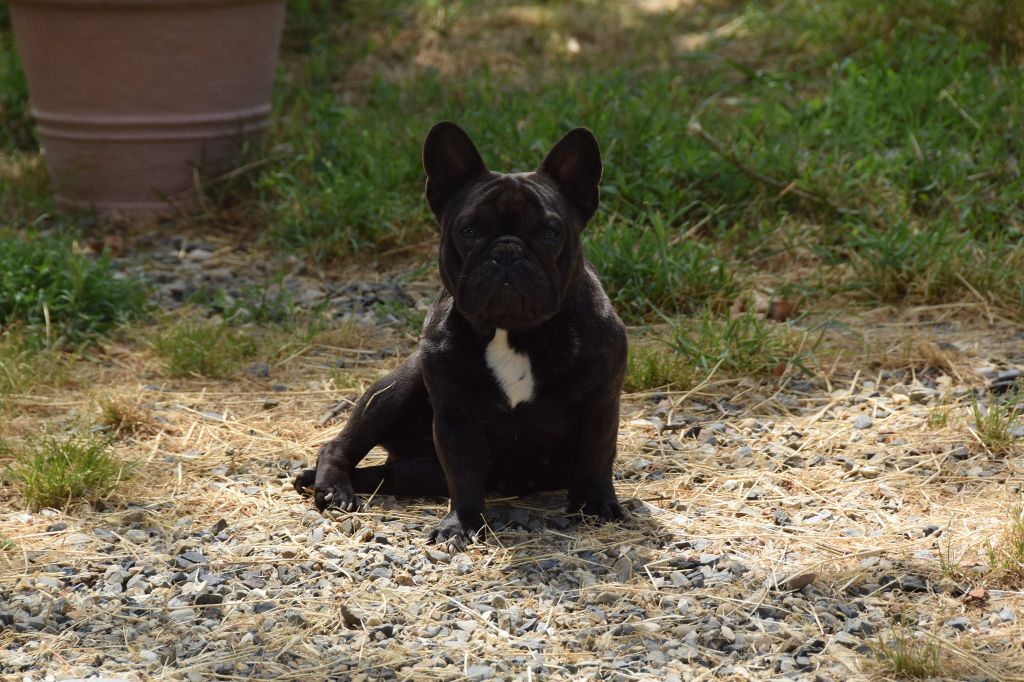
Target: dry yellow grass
(852,503)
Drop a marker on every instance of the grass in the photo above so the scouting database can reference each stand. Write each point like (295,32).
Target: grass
(656,366)
(268,304)
(938,418)
(996,426)
(203,349)
(57,294)
(52,471)
(740,345)
(907,656)
(24,365)
(648,267)
(731,134)
(124,416)
(1006,556)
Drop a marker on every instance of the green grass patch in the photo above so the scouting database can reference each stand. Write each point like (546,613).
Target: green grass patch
(267,304)
(656,365)
(51,471)
(996,426)
(1006,556)
(122,416)
(24,365)
(648,267)
(58,294)
(881,137)
(204,349)
(905,655)
(741,345)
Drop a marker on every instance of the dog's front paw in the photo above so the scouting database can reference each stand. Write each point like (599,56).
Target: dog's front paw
(304,481)
(456,533)
(336,496)
(329,492)
(604,506)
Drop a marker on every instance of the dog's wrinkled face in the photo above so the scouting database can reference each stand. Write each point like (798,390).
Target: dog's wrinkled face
(510,244)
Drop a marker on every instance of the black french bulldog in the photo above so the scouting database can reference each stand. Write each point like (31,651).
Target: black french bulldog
(515,386)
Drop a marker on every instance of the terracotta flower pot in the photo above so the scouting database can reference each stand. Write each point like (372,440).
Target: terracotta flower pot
(131,96)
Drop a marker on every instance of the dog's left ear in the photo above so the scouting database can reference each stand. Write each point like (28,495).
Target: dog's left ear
(575,164)
(450,160)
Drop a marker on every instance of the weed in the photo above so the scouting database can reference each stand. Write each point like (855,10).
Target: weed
(938,419)
(208,350)
(348,335)
(344,380)
(907,656)
(745,344)
(270,303)
(408,316)
(7,545)
(123,416)
(950,564)
(656,366)
(24,365)
(51,472)
(1007,556)
(647,267)
(997,427)
(58,293)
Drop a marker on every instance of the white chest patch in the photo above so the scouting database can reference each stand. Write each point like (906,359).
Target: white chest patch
(511,369)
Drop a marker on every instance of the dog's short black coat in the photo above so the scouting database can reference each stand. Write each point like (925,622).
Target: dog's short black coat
(515,385)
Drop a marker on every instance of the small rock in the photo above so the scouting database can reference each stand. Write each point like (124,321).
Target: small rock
(846,639)
(798,581)
(258,369)
(182,615)
(136,536)
(912,583)
(859,626)
(479,672)
(862,421)
(960,623)
(189,559)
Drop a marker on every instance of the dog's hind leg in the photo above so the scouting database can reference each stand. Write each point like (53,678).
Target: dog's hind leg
(395,412)
(411,476)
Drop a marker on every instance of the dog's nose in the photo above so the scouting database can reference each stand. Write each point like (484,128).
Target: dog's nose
(507,250)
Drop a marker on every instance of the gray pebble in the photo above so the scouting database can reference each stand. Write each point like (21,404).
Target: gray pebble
(182,615)
(862,421)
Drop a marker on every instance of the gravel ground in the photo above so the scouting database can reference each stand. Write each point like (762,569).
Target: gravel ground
(777,530)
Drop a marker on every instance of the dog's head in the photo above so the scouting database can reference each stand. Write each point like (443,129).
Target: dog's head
(510,243)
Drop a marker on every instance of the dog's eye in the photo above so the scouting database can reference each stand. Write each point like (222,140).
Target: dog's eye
(467,231)
(550,233)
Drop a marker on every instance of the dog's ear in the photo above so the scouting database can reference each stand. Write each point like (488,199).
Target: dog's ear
(575,164)
(451,160)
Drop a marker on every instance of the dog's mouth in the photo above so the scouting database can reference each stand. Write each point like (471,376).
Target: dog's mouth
(508,307)
(507,293)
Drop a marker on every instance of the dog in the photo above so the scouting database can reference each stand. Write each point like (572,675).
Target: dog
(515,385)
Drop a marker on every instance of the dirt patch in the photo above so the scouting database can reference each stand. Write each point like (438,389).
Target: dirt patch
(787,528)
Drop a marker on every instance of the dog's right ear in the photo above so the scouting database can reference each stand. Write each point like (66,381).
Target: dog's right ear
(451,160)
